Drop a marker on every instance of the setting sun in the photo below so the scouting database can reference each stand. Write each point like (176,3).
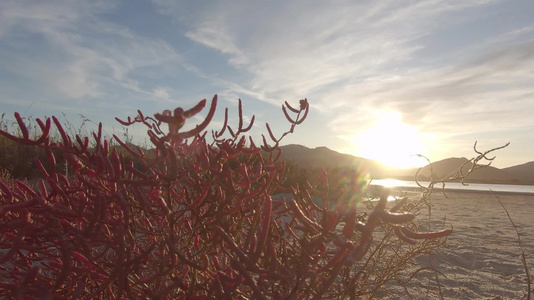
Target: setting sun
(391,142)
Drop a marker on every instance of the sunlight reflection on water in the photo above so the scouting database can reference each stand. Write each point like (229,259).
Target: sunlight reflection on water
(473,187)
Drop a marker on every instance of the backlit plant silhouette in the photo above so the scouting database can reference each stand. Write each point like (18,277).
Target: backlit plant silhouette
(198,220)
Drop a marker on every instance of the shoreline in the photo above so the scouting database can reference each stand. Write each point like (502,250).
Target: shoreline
(455,190)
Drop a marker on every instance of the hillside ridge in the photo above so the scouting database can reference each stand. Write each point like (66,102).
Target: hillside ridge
(325,158)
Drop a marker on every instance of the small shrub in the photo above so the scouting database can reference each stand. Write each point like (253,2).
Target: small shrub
(193,219)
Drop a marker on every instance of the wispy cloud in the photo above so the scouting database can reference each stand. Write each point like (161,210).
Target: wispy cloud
(355,58)
(84,53)
(436,100)
(295,49)
(441,64)
(210,34)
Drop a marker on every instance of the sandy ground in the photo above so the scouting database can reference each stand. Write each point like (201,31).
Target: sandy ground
(483,259)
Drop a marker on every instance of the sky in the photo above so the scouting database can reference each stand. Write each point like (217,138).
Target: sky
(384,79)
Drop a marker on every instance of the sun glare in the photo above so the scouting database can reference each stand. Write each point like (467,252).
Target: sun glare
(391,142)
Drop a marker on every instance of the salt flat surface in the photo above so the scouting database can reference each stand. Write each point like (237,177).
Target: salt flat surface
(483,259)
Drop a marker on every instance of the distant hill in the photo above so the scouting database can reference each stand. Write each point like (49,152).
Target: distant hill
(524,172)
(449,167)
(324,158)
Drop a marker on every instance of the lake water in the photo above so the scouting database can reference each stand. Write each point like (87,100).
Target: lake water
(473,187)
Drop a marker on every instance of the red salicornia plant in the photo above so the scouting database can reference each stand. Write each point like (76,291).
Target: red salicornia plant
(197,219)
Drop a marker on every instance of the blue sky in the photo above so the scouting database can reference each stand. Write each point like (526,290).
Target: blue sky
(385,79)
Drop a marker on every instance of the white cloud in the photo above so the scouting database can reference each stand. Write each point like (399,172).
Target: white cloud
(84,51)
(511,36)
(353,58)
(211,35)
(349,58)
(161,93)
(433,99)
(297,48)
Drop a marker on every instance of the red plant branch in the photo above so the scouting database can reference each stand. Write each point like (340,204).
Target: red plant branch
(186,220)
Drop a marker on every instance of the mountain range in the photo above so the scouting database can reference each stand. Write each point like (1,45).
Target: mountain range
(325,158)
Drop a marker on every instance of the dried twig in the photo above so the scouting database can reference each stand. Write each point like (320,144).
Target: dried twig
(523,256)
